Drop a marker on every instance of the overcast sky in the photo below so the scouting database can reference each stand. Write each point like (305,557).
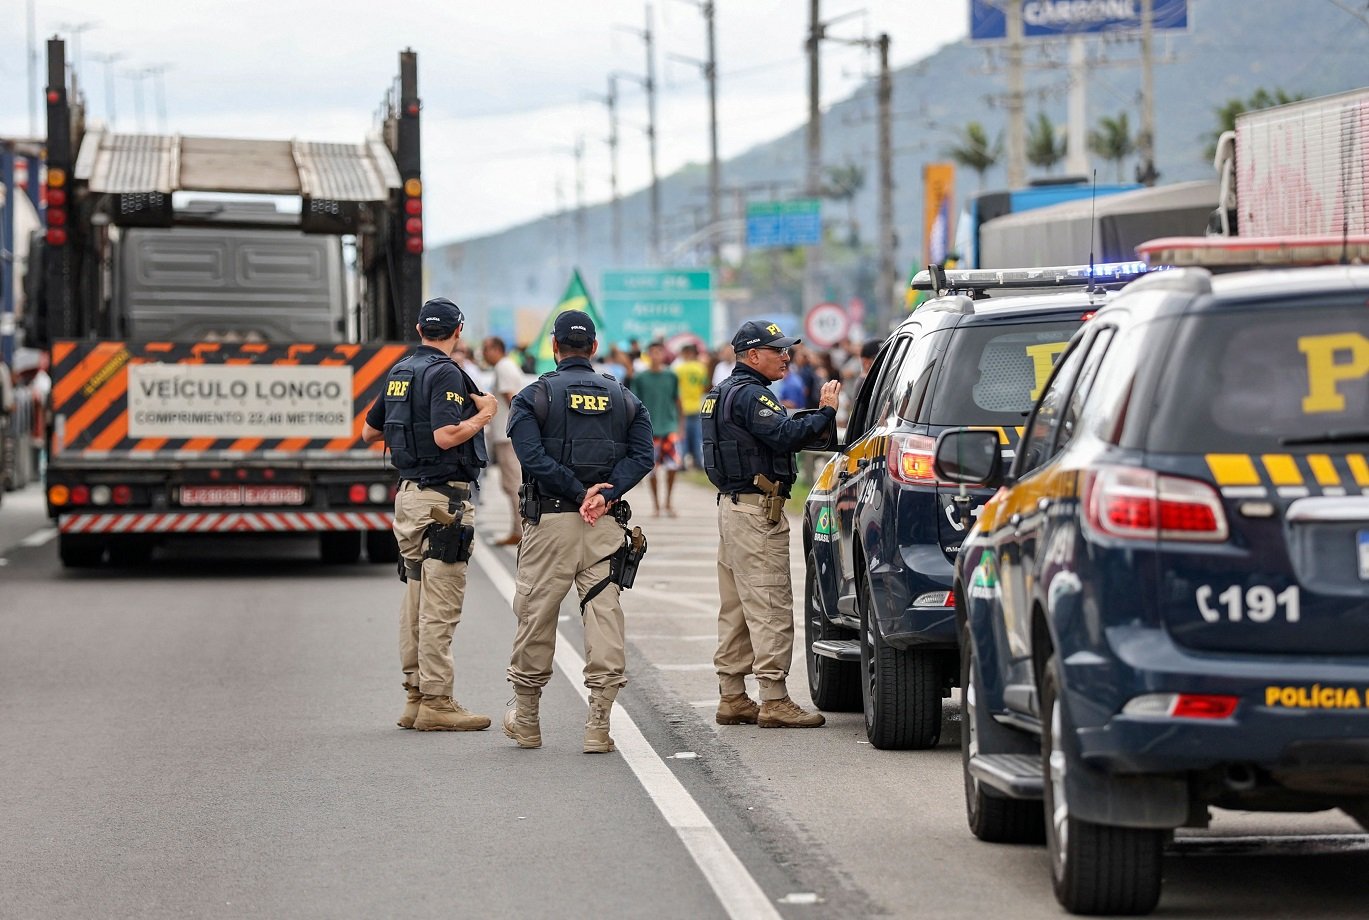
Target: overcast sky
(506,86)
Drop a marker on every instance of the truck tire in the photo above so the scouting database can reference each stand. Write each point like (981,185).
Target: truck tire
(900,689)
(834,686)
(992,816)
(1095,868)
(79,551)
(340,547)
(381,546)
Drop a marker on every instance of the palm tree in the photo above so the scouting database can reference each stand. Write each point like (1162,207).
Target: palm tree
(1113,141)
(843,184)
(974,151)
(1044,149)
(1226,114)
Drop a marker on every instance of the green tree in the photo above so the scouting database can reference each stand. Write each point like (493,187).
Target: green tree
(973,150)
(1112,140)
(1227,113)
(843,184)
(1044,148)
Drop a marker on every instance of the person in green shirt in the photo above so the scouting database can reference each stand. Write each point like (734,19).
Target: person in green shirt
(659,390)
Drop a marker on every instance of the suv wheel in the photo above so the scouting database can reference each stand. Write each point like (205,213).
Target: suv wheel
(901,689)
(1096,868)
(834,686)
(992,816)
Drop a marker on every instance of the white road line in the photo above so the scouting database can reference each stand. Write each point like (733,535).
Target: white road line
(39,537)
(733,885)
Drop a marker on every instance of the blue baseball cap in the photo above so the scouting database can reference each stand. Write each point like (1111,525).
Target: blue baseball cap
(440,316)
(573,327)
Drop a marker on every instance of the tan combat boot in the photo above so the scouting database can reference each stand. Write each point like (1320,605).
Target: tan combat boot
(444,714)
(786,713)
(736,709)
(521,724)
(406,720)
(597,738)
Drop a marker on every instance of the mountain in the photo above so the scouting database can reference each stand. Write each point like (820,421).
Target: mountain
(1231,49)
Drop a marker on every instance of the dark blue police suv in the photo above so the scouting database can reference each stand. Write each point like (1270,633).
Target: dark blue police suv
(1166,606)
(880,533)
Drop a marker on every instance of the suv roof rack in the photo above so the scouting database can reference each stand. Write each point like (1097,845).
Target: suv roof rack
(980,279)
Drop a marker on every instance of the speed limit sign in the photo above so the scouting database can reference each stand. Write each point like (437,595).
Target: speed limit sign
(826,325)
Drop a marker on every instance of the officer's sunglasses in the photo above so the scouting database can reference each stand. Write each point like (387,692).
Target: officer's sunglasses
(784,352)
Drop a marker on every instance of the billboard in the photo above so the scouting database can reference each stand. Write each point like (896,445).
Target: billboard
(1054,18)
(657,304)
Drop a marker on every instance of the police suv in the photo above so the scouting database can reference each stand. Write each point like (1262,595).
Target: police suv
(880,532)
(1165,607)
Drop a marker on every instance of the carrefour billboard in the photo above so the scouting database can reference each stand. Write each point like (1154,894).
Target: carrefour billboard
(1054,18)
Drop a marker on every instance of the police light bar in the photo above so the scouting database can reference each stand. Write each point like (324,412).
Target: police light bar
(1249,252)
(980,279)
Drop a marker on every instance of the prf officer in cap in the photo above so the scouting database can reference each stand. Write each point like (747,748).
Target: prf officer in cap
(749,444)
(583,441)
(431,416)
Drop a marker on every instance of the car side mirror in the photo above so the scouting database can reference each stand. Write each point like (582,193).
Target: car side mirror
(971,456)
(826,440)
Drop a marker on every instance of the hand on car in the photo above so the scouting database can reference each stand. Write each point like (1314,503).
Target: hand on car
(830,391)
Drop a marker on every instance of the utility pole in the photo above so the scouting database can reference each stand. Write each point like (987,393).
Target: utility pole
(648,83)
(1145,144)
(137,77)
(579,199)
(1017,119)
(1076,147)
(884,295)
(76,29)
(109,60)
(709,68)
(159,88)
(617,208)
(812,186)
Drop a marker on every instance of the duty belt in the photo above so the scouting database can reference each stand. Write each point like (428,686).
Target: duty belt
(557,505)
(456,491)
(745,498)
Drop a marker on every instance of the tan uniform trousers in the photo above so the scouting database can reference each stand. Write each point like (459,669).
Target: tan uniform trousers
(557,552)
(432,605)
(510,477)
(756,616)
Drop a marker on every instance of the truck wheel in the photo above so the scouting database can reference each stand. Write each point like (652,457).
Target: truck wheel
(78,551)
(340,547)
(834,686)
(1096,868)
(992,816)
(381,546)
(901,690)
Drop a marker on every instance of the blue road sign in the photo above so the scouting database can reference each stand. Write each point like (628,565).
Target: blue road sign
(775,224)
(1054,18)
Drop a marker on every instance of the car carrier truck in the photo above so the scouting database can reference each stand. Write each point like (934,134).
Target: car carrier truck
(212,360)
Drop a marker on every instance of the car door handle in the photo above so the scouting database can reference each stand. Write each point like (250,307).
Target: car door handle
(1042,504)
(862,463)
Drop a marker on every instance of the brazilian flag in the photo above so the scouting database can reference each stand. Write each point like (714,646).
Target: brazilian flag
(575,298)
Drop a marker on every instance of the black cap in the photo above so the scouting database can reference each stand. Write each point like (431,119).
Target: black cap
(441,316)
(871,348)
(573,327)
(761,335)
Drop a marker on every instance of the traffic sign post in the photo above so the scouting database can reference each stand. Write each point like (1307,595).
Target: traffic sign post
(781,224)
(826,325)
(646,305)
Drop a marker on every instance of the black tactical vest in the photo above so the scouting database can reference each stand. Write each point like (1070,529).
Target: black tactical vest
(585,422)
(733,457)
(409,428)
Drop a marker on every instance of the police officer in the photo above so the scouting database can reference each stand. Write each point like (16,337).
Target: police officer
(583,441)
(749,444)
(431,416)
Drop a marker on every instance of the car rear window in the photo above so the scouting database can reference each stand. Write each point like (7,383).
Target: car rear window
(1251,381)
(991,375)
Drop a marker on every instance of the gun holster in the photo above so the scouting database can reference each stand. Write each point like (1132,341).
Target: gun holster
(449,540)
(529,502)
(622,565)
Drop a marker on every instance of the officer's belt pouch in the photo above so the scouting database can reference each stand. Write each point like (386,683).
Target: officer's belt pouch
(450,542)
(398,441)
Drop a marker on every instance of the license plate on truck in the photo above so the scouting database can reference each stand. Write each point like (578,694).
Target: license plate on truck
(242,495)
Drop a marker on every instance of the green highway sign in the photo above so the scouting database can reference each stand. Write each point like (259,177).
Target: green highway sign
(656,304)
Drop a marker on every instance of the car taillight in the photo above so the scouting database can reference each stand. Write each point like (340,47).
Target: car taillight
(910,459)
(1144,505)
(935,599)
(357,493)
(1181,705)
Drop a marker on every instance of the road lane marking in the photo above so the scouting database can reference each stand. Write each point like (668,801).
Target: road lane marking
(736,890)
(39,537)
